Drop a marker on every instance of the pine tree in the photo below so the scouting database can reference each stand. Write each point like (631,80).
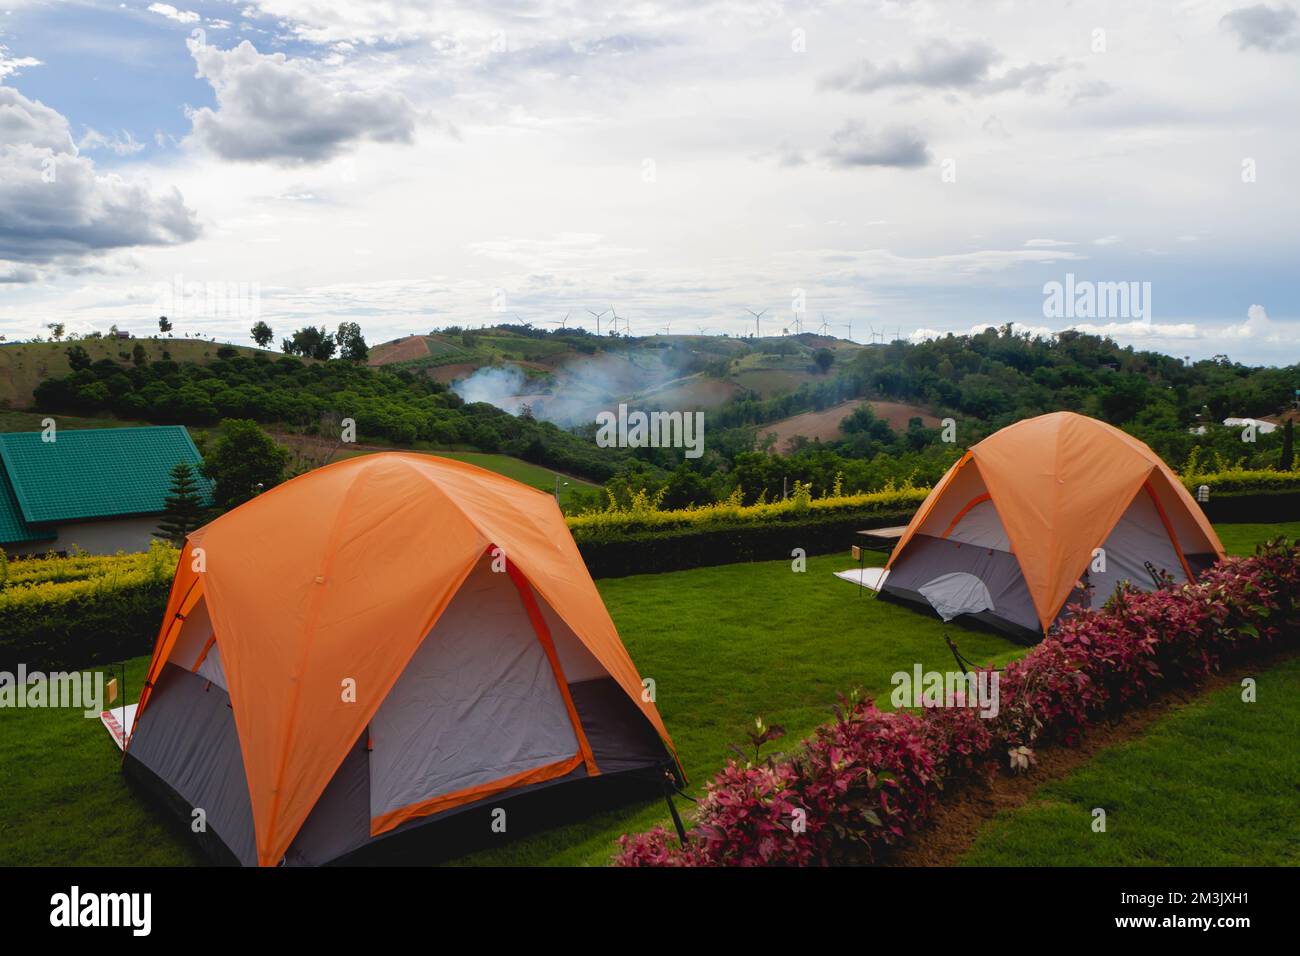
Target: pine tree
(183,507)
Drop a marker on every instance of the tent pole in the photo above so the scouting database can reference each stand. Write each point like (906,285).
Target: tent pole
(672,808)
(955,653)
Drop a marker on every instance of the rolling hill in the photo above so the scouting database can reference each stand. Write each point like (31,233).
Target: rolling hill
(568,377)
(24,365)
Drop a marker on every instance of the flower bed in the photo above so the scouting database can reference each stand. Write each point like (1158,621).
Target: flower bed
(869,779)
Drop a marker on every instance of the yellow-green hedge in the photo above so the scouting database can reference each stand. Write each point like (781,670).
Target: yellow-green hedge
(1243,481)
(64,613)
(643,516)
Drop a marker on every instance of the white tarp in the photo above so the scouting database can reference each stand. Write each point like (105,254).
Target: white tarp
(116,721)
(873,578)
(957,593)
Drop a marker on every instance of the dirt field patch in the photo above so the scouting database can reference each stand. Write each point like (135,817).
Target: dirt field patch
(403,350)
(692,393)
(446,374)
(825,425)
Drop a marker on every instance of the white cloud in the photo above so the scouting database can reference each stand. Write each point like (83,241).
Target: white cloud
(123,144)
(56,208)
(1141,330)
(271,108)
(171,13)
(1263,27)
(853,144)
(1258,327)
(11,65)
(941,64)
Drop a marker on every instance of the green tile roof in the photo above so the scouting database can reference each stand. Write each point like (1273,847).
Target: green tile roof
(95,472)
(13,529)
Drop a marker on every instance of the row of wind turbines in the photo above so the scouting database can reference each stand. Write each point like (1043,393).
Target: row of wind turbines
(615,320)
(875,337)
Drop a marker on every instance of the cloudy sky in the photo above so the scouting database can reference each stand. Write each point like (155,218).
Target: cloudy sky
(913,166)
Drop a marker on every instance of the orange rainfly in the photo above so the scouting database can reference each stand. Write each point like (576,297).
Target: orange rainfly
(323,591)
(1031,503)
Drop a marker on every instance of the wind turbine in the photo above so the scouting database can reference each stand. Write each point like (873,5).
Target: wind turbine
(614,319)
(561,322)
(850,328)
(757,316)
(668,328)
(821,329)
(597,316)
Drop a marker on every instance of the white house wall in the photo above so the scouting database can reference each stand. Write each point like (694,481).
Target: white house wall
(108,536)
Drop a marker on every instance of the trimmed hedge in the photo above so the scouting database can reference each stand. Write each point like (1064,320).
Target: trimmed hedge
(1260,507)
(644,540)
(649,552)
(81,611)
(1243,480)
(799,508)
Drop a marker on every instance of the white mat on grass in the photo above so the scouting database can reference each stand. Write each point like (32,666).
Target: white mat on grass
(116,720)
(873,578)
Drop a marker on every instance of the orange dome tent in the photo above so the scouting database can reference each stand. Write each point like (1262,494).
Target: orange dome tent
(1024,512)
(377,644)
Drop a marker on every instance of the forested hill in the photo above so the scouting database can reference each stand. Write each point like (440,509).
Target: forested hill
(983,382)
(396,406)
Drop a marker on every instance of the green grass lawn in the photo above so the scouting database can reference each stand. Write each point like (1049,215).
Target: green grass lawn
(18,421)
(1213,783)
(723,644)
(1242,538)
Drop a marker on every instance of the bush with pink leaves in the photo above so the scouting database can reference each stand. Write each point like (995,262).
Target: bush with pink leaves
(869,779)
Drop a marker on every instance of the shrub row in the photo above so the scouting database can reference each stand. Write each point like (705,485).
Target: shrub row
(869,779)
(799,508)
(1243,480)
(643,539)
(65,613)
(675,549)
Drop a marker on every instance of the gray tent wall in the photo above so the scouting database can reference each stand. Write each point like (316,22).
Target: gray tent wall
(478,702)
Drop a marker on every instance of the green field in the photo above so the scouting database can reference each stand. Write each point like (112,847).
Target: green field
(12,421)
(723,644)
(1211,784)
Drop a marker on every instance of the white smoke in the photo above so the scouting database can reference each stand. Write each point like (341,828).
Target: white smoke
(499,385)
(576,391)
